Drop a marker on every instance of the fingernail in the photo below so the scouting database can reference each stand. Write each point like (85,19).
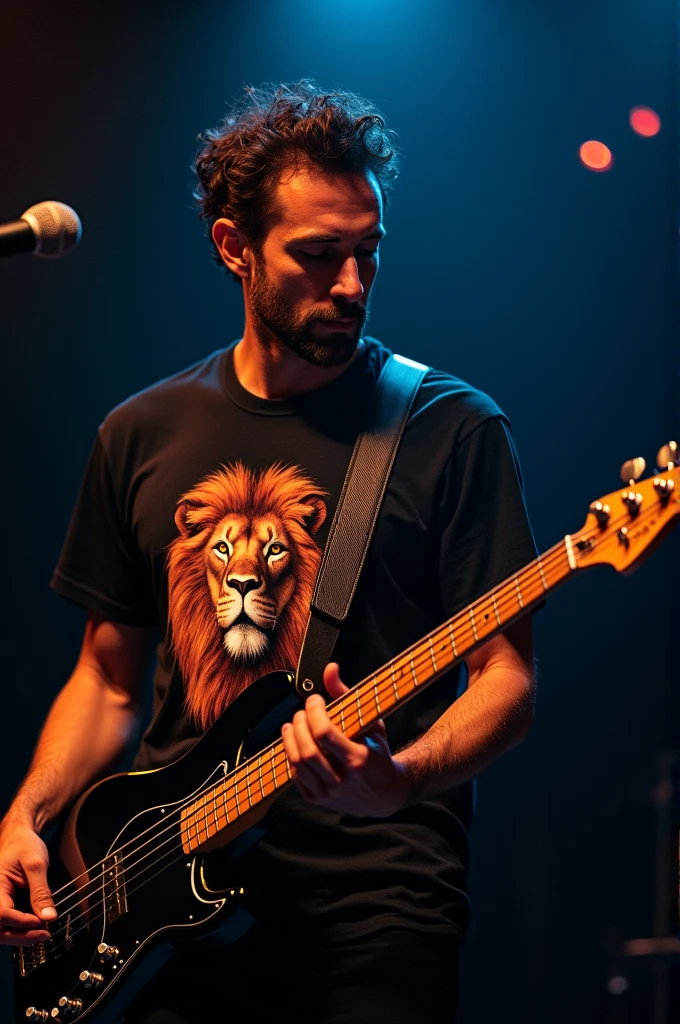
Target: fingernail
(49,913)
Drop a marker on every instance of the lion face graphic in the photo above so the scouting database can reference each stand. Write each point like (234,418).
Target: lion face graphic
(240,580)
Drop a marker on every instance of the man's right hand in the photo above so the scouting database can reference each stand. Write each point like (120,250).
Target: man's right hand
(23,864)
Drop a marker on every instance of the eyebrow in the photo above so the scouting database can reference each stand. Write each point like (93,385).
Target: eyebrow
(311,239)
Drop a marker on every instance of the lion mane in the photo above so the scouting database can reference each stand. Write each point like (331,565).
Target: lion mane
(241,531)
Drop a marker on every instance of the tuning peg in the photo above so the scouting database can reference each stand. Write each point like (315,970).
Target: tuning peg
(667,457)
(632,470)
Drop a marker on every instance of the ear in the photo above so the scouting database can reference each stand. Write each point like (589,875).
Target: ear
(317,513)
(231,243)
(188,519)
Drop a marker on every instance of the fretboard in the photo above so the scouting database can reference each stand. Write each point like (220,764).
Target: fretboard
(263,777)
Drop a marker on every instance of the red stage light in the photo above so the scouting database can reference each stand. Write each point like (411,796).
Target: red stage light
(596,156)
(645,121)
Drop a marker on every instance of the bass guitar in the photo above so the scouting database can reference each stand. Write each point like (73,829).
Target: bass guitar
(135,837)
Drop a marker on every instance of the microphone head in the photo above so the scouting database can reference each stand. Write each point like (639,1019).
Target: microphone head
(56,227)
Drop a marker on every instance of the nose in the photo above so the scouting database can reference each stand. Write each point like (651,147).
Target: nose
(243,583)
(348,284)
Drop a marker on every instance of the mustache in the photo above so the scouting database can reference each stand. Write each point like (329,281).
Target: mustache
(353,309)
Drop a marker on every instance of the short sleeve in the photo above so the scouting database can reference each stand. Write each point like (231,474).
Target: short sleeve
(486,535)
(100,567)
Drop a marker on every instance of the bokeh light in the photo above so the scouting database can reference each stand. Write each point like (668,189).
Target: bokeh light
(645,121)
(596,156)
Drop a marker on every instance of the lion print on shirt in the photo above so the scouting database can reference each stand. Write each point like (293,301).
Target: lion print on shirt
(240,580)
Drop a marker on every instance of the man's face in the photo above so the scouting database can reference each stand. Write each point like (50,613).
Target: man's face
(311,284)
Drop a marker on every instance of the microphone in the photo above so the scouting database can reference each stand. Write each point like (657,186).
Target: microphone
(49,229)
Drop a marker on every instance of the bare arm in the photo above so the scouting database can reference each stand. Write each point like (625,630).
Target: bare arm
(86,733)
(492,716)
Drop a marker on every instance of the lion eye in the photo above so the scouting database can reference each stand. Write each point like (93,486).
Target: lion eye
(276,549)
(222,548)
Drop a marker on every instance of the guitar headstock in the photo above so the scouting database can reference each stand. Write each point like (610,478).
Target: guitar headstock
(624,527)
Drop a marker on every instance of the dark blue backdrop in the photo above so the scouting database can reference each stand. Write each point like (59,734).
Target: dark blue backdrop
(507,262)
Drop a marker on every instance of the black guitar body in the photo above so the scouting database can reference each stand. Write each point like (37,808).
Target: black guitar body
(144,894)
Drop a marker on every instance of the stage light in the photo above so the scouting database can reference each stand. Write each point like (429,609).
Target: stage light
(596,156)
(645,121)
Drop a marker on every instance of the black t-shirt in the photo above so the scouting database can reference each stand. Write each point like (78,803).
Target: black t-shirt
(195,481)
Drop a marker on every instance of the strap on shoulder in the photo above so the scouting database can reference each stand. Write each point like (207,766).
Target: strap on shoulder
(356,516)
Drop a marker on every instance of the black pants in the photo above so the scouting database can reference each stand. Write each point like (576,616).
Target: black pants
(394,975)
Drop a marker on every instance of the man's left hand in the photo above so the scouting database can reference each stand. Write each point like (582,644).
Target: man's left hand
(329,769)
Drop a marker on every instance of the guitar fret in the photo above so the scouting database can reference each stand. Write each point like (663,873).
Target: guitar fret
(413,671)
(540,569)
(453,640)
(474,626)
(375,693)
(217,821)
(226,802)
(394,681)
(434,660)
(519,592)
(495,607)
(259,774)
(342,716)
(358,704)
(247,778)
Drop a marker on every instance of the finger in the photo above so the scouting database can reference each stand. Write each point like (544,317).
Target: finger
(9,937)
(11,918)
(331,740)
(332,681)
(35,870)
(378,734)
(293,754)
(313,764)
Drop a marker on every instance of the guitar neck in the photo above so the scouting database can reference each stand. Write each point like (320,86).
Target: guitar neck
(263,777)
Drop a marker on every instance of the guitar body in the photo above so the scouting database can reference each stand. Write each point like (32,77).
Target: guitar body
(143,893)
(132,855)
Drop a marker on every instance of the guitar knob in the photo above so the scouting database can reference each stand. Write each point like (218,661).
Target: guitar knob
(668,456)
(632,470)
(70,1006)
(32,1013)
(632,500)
(601,512)
(107,952)
(664,488)
(91,979)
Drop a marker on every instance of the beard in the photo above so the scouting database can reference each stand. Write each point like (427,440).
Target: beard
(301,332)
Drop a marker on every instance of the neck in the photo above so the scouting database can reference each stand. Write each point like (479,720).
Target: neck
(268,369)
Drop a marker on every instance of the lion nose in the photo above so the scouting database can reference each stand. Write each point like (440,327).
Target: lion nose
(243,585)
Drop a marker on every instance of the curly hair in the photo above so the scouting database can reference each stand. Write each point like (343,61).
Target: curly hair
(277,127)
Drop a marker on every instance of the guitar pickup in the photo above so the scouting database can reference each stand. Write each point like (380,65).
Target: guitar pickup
(29,958)
(115,898)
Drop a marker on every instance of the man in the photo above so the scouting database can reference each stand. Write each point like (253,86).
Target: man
(204,510)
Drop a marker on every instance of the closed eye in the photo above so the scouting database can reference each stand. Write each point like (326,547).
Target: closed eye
(328,253)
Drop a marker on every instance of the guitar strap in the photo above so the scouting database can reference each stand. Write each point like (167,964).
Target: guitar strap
(355,517)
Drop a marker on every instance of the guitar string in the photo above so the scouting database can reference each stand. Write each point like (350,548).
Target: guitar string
(549,556)
(210,812)
(276,762)
(533,568)
(407,662)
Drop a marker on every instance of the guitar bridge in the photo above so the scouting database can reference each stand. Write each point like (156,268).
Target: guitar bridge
(115,898)
(29,958)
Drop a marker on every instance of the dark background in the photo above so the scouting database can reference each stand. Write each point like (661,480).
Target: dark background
(507,263)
